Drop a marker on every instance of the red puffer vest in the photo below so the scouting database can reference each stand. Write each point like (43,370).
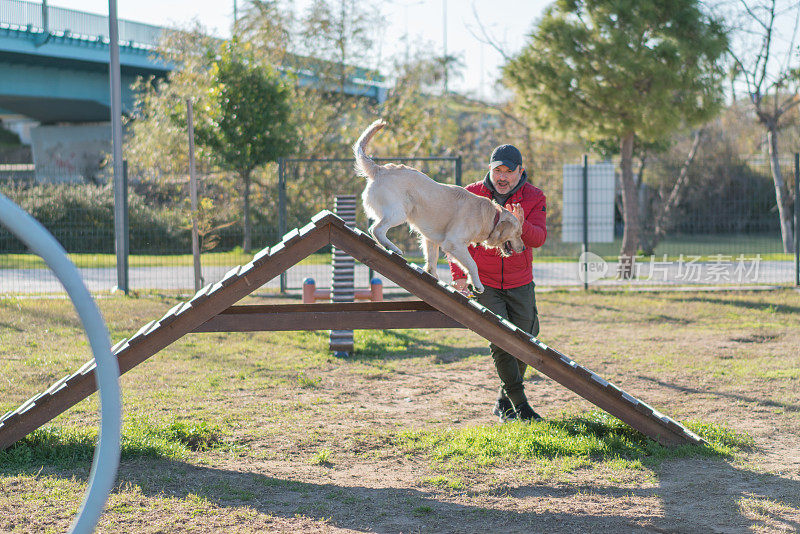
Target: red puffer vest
(515,270)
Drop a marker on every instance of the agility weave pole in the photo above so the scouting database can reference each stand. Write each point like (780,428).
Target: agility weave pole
(343,275)
(211,310)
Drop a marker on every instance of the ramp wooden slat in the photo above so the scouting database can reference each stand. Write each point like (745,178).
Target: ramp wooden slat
(154,336)
(577,378)
(260,257)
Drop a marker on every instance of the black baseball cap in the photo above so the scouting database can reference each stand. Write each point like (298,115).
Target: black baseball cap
(507,155)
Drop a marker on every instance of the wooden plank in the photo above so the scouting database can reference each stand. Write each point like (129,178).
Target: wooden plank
(214,288)
(325,217)
(56,385)
(138,337)
(201,295)
(8,422)
(497,333)
(327,320)
(456,295)
(46,408)
(614,390)
(260,257)
(171,315)
(291,237)
(90,368)
(276,249)
(387,305)
(118,346)
(522,334)
(83,368)
(28,404)
(422,272)
(307,229)
(231,276)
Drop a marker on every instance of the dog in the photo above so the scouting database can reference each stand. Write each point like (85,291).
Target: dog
(445,216)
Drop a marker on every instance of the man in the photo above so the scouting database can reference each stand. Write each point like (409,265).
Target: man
(508,281)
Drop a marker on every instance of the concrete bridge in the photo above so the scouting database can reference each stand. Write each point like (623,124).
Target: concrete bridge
(54,81)
(54,62)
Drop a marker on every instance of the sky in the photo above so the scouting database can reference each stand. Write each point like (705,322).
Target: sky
(422,20)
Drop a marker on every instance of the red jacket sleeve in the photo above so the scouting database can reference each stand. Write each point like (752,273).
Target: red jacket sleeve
(534,229)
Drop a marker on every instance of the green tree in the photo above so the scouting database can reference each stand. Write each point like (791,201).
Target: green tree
(621,70)
(248,119)
(156,143)
(323,49)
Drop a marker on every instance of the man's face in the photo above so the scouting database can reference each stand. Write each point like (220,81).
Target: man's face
(505,179)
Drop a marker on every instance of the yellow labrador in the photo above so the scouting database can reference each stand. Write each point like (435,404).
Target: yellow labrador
(445,216)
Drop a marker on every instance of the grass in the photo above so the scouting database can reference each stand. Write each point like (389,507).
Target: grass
(593,438)
(445,482)
(322,457)
(69,446)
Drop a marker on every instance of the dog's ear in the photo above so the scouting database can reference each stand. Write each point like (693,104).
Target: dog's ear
(499,229)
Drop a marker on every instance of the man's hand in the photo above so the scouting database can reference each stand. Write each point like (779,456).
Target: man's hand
(460,284)
(518,212)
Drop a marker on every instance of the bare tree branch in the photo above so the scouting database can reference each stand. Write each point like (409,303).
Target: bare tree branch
(789,103)
(766,48)
(753,15)
(486,39)
(785,66)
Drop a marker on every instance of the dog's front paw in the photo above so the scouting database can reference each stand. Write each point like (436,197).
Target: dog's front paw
(478,288)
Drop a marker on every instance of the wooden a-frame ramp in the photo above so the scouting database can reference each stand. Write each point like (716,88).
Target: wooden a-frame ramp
(211,310)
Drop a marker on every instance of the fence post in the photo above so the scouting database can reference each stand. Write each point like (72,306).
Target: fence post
(282,211)
(797,219)
(198,273)
(125,243)
(585,263)
(458,171)
(116,138)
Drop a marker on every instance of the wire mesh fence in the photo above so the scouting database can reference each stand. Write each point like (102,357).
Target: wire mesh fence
(721,231)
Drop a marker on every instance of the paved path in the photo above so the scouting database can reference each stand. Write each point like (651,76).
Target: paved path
(751,272)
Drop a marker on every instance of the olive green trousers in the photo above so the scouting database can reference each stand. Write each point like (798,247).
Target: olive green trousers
(518,305)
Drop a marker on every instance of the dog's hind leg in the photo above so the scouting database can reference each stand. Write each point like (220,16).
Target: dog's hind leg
(463,257)
(383,225)
(431,252)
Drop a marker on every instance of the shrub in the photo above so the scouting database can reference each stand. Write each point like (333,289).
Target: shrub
(81,217)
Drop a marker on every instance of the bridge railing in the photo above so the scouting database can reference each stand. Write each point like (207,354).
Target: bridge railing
(59,20)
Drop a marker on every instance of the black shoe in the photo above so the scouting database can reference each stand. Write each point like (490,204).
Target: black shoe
(504,410)
(524,412)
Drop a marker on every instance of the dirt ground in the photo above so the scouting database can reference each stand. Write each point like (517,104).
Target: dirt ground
(731,358)
(758,492)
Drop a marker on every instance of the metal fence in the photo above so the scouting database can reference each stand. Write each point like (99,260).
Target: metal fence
(720,234)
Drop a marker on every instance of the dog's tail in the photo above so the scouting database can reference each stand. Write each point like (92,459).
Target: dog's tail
(364,164)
